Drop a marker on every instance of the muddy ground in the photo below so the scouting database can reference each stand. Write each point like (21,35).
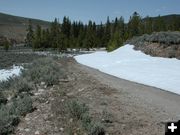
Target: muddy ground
(123,107)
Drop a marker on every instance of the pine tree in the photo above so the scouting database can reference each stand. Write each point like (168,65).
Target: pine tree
(37,42)
(148,25)
(121,27)
(30,35)
(6,45)
(55,32)
(115,25)
(100,35)
(115,42)
(159,24)
(107,34)
(134,25)
(91,40)
(46,39)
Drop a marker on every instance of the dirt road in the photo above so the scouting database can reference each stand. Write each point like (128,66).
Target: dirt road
(124,107)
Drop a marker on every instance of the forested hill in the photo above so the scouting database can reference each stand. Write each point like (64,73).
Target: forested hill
(75,34)
(167,22)
(14,27)
(112,34)
(166,18)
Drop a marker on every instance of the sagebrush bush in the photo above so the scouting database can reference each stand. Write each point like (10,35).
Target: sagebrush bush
(3,100)
(76,109)
(7,120)
(43,70)
(159,37)
(9,114)
(12,58)
(92,127)
(96,128)
(86,121)
(4,85)
(22,85)
(80,112)
(22,105)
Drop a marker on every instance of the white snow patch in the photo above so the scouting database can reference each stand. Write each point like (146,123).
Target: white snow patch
(6,73)
(136,66)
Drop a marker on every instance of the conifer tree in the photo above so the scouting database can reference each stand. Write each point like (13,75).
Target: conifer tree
(107,34)
(30,35)
(121,27)
(100,35)
(115,42)
(134,25)
(37,42)
(148,25)
(6,45)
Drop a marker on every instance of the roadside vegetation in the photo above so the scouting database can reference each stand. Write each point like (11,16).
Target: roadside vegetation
(8,59)
(16,98)
(80,112)
(16,92)
(76,118)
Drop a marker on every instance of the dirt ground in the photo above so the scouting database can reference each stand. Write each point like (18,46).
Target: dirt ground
(124,107)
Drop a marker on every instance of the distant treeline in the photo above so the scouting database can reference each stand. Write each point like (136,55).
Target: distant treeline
(111,35)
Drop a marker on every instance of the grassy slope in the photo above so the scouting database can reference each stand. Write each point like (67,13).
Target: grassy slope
(15,27)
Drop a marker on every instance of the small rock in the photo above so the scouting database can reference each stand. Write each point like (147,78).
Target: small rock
(78,129)
(46,117)
(52,99)
(45,86)
(41,90)
(27,129)
(47,102)
(27,119)
(70,94)
(36,94)
(38,110)
(56,128)
(9,98)
(37,133)
(81,89)
(62,129)
(71,120)
(62,100)
(20,129)
(42,83)
(64,80)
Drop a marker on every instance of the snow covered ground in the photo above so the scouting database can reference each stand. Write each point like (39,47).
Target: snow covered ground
(136,66)
(5,74)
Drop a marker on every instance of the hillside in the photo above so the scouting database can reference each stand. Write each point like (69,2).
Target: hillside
(14,27)
(166,18)
(161,44)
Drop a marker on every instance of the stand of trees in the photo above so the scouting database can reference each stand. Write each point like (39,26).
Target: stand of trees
(111,35)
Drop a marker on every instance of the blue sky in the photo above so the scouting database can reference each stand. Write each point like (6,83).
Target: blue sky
(84,10)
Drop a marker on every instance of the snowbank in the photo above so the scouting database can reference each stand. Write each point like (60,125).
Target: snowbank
(5,74)
(136,66)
